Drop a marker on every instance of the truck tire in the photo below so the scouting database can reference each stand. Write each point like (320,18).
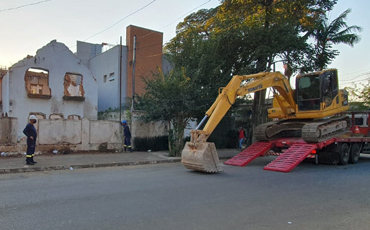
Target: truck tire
(354,153)
(343,154)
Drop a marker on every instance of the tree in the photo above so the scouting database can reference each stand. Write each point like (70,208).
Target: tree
(169,98)
(244,37)
(327,34)
(360,95)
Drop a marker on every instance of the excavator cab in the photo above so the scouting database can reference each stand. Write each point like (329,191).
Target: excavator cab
(316,88)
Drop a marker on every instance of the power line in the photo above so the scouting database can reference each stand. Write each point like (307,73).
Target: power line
(31,4)
(121,20)
(351,80)
(177,19)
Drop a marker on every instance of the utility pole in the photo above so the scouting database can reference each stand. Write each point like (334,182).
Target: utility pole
(133,74)
(120,79)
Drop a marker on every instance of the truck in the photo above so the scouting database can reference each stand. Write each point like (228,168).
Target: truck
(307,122)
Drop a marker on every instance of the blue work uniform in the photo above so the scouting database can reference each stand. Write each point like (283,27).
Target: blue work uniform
(30,131)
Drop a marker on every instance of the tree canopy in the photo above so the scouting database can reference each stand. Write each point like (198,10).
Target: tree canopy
(242,37)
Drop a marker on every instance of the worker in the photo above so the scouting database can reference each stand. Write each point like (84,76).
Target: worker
(31,133)
(241,137)
(127,136)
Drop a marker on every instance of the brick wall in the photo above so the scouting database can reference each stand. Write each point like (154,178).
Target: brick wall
(148,56)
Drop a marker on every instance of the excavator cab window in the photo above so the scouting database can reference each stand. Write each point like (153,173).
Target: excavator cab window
(329,87)
(308,92)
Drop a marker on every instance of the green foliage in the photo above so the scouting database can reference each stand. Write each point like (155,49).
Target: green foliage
(360,95)
(159,143)
(327,34)
(170,98)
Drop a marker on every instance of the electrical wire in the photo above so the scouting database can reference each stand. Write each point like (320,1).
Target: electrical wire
(121,20)
(182,16)
(31,4)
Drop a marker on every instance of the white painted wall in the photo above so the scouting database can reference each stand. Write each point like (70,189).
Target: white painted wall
(5,95)
(59,131)
(105,131)
(106,64)
(58,59)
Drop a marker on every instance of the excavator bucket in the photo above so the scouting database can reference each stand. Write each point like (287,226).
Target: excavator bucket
(201,157)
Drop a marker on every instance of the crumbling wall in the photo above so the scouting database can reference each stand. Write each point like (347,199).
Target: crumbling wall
(142,129)
(74,134)
(59,131)
(109,132)
(8,130)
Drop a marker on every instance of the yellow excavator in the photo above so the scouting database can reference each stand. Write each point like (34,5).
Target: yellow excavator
(310,111)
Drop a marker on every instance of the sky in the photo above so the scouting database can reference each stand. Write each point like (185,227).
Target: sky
(27,25)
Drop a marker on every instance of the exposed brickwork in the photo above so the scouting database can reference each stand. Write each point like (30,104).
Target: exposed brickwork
(148,56)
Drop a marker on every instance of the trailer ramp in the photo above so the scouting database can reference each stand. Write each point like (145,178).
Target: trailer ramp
(249,154)
(291,158)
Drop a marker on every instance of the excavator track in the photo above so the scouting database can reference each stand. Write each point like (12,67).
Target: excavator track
(324,129)
(277,129)
(311,131)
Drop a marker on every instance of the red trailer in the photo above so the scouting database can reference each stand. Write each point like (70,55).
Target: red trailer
(293,150)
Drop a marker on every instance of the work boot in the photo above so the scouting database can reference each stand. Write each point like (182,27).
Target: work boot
(33,161)
(29,163)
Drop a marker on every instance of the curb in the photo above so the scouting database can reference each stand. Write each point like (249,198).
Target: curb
(81,166)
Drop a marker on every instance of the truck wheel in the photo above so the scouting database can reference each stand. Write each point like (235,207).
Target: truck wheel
(343,153)
(354,153)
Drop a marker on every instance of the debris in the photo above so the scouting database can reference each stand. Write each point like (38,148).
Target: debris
(70,168)
(289,222)
(149,150)
(55,151)
(3,154)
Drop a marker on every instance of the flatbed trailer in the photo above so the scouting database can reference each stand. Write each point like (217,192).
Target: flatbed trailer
(292,151)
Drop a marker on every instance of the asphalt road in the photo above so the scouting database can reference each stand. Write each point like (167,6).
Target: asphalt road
(168,196)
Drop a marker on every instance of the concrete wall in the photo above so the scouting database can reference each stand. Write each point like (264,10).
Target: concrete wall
(86,51)
(105,131)
(8,130)
(142,129)
(76,135)
(58,60)
(63,134)
(59,131)
(102,67)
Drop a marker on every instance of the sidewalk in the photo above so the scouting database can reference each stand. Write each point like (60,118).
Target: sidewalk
(72,161)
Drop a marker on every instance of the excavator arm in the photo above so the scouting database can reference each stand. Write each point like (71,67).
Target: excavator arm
(200,155)
(228,95)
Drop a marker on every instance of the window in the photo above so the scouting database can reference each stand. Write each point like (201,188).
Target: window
(308,92)
(111,77)
(73,87)
(37,83)
(105,79)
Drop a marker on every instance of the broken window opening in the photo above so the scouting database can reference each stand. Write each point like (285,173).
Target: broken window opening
(37,83)
(56,116)
(74,117)
(73,87)
(105,78)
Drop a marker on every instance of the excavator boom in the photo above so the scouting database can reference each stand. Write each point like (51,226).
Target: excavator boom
(200,155)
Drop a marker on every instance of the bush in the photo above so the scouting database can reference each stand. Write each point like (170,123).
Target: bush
(159,143)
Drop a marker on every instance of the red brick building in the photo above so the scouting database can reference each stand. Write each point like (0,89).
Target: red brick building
(148,56)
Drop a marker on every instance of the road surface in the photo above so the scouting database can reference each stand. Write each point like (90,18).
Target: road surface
(168,196)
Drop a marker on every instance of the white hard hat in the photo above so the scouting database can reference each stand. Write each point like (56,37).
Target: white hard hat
(33,117)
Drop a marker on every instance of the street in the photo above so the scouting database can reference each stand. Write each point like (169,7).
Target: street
(168,196)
